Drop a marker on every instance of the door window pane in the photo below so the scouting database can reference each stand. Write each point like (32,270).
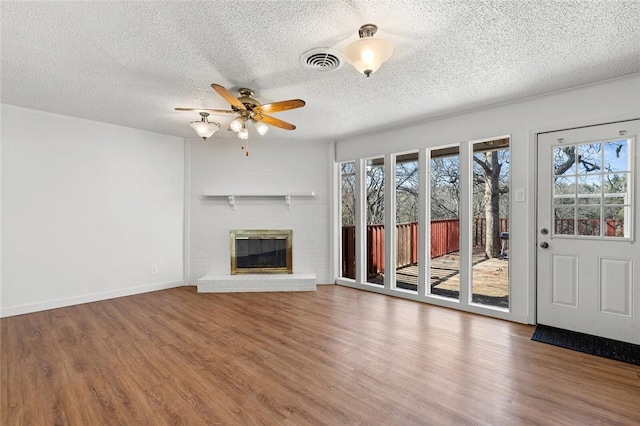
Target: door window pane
(564,160)
(616,184)
(589,158)
(613,218)
(564,186)
(615,156)
(589,184)
(589,220)
(564,220)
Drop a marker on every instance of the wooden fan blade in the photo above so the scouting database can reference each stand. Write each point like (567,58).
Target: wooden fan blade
(213,111)
(267,119)
(228,96)
(280,106)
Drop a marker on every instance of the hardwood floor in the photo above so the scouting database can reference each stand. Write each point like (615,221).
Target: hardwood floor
(335,356)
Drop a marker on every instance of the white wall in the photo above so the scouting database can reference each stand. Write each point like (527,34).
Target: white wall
(219,165)
(87,207)
(600,103)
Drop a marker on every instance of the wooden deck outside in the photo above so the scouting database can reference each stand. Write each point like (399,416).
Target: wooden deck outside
(490,278)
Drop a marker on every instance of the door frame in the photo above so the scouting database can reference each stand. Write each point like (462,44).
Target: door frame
(532,316)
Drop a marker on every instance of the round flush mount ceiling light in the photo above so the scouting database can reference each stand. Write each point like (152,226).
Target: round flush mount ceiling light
(368,53)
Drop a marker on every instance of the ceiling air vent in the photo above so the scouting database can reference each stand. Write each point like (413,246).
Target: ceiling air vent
(321,59)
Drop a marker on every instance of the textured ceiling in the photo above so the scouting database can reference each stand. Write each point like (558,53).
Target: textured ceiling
(130,63)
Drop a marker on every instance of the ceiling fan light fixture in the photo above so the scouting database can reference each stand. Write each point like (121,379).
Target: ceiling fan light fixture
(243,133)
(204,128)
(260,127)
(236,124)
(245,108)
(368,53)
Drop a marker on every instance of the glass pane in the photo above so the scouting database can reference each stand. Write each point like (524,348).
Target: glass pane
(407,222)
(564,160)
(347,204)
(590,184)
(616,156)
(444,273)
(613,218)
(590,158)
(590,199)
(565,200)
(614,199)
(564,220)
(564,186)
(589,221)
(490,276)
(375,220)
(616,184)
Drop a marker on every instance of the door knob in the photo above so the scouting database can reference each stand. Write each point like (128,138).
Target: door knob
(544,244)
(544,231)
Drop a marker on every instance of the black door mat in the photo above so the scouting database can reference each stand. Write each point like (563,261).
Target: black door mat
(594,345)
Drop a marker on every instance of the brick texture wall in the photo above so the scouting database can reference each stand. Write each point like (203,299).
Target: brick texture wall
(220,166)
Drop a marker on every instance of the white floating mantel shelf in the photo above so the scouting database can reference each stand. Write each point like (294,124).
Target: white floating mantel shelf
(286,196)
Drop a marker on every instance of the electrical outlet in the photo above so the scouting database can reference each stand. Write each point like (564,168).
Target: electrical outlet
(154,269)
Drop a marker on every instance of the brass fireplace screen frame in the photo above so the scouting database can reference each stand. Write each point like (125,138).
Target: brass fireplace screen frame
(284,234)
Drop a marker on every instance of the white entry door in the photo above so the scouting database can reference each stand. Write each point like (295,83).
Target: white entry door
(588,255)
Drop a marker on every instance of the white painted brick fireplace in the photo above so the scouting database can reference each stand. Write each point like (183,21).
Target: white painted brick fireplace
(274,167)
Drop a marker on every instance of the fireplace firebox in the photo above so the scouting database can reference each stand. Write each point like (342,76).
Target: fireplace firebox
(261,251)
